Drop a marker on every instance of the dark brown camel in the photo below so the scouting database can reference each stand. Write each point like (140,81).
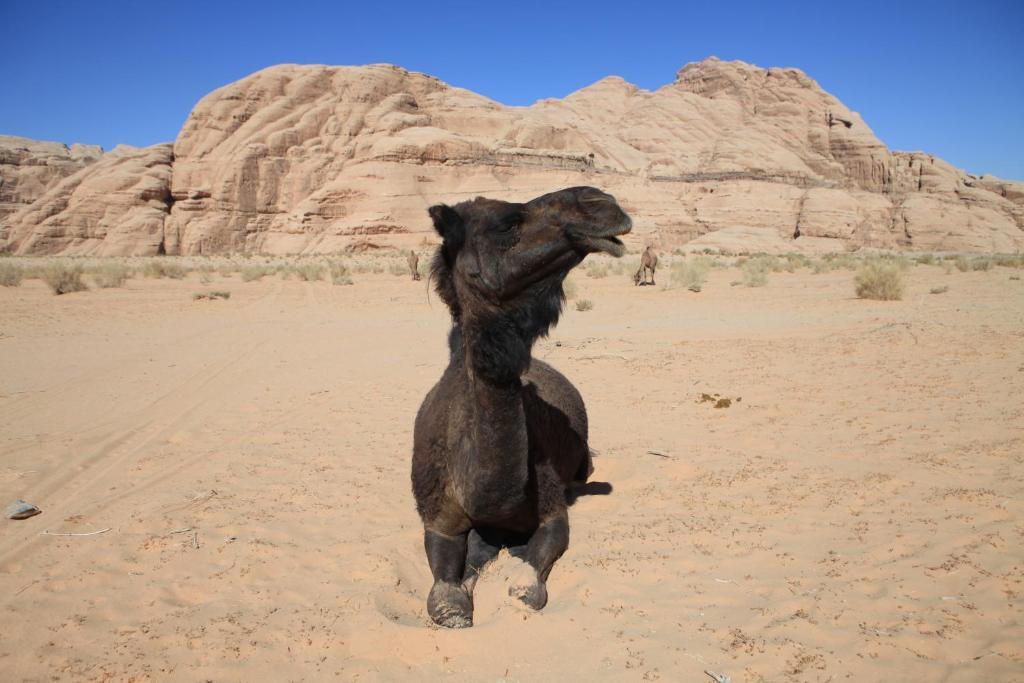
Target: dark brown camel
(500,438)
(648,261)
(414,265)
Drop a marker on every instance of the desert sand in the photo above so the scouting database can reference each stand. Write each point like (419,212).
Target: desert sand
(854,514)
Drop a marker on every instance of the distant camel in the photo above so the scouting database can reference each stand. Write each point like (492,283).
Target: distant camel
(501,436)
(414,265)
(648,261)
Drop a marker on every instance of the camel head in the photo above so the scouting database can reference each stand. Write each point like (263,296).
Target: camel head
(505,261)
(496,254)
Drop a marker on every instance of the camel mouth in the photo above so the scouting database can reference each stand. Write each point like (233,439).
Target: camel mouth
(609,242)
(609,245)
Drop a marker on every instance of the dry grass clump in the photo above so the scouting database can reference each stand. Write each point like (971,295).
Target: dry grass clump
(212,295)
(939,290)
(63,277)
(584,305)
(396,267)
(164,267)
(925,259)
(690,273)
(977,263)
(11,274)
(109,275)
(794,261)
(626,265)
(570,287)
(879,280)
(831,262)
(339,272)
(255,272)
(1009,260)
(598,269)
(308,271)
(755,272)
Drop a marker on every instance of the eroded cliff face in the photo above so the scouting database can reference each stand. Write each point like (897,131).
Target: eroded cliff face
(28,168)
(114,206)
(316,158)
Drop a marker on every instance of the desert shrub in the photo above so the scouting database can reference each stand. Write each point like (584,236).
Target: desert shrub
(925,259)
(1009,260)
(755,273)
(690,273)
(396,267)
(584,305)
(339,272)
(163,267)
(570,287)
(254,272)
(939,290)
(211,295)
(796,261)
(981,263)
(11,274)
(63,277)
(598,269)
(841,261)
(308,271)
(108,275)
(962,264)
(879,280)
(627,265)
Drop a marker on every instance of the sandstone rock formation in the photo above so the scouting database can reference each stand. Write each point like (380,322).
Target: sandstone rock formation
(323,159)
(28,168)
(115,206)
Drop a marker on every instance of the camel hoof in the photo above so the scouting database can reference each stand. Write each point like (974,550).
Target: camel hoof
(534,595)
(450,606)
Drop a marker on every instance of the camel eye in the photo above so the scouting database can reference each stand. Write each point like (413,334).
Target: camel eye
(508,226)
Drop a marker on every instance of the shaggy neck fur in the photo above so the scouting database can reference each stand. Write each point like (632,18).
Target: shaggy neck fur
(493,349)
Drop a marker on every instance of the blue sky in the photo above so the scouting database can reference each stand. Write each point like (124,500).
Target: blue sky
(942,77)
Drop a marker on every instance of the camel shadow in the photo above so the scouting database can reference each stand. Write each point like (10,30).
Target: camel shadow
(591,488)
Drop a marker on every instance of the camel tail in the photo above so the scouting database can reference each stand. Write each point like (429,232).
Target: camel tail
(586,467)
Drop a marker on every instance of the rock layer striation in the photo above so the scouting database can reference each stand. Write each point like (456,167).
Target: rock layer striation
(325,159)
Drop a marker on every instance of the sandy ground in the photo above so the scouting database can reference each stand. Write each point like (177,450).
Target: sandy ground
(855,514)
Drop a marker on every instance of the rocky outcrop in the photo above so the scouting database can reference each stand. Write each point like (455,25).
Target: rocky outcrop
(28,168)
(317,158)
(116,206)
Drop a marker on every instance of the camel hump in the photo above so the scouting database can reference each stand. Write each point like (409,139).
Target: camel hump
(557,391)
(557,415)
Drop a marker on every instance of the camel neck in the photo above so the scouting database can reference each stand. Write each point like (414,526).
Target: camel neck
(494,407)
(500,452)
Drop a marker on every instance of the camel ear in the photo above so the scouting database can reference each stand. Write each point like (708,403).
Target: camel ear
(449,226)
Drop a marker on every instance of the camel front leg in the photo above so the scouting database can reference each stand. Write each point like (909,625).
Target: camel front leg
(546,545)
(449,603)
(482,548)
